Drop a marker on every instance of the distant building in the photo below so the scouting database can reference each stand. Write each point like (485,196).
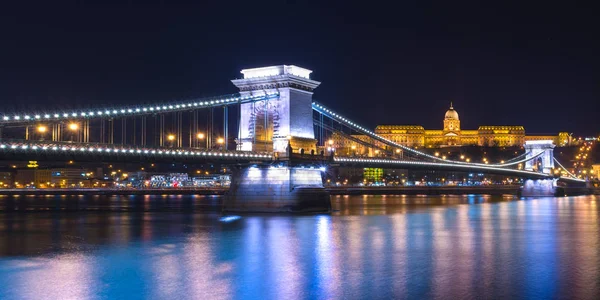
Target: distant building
(68,178)
(6,180)
(450,135)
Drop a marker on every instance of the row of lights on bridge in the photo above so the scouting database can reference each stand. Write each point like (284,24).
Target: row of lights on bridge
(159,108)
(171,137)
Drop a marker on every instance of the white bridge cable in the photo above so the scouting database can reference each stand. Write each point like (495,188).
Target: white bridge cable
(19,118)
(560,165)
(518,157)
(323,110)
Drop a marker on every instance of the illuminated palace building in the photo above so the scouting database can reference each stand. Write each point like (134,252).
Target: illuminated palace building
(452,135)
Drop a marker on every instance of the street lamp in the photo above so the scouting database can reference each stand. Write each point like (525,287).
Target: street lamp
(42,129)
(330,142)
(74,127)
(201,136)
(171,139)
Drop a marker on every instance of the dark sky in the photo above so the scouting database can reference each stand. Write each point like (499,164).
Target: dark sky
(531,64)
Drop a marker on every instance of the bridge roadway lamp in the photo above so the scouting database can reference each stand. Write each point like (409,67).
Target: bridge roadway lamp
(171,139)
(200,136)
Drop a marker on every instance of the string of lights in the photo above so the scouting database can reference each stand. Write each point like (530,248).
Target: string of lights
(105,149)
(137,110)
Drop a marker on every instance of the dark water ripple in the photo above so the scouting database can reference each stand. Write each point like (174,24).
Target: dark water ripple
(371,247)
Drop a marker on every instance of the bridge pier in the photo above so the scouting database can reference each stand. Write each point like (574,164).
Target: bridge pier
(539,188)
(277,189)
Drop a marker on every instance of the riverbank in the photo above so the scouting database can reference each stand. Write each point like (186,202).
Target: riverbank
(426,190)
(333,190)
(207,191)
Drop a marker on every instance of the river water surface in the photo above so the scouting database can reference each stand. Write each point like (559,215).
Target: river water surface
(371,247)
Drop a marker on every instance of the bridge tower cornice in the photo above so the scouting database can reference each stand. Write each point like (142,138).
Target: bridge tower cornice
(276,82)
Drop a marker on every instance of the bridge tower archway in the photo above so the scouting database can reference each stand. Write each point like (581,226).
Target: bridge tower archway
(545,162)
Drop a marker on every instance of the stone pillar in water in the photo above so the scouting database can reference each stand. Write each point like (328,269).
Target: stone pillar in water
(539,188)
(277,189)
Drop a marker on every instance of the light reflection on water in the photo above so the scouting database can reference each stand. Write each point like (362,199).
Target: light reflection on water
(370,247)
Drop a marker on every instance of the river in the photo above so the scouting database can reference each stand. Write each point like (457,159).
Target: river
(370,247)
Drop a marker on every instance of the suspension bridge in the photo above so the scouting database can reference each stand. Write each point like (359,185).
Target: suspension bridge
(279,140)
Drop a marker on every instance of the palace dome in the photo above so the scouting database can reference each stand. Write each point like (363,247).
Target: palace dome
(451,114)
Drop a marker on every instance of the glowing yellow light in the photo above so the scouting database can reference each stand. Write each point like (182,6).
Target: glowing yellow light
(398,150)
(220,141)
(330,142)
(73,126)
(42,129)
(462,157)
(171,137)
(353,147)
(200,136)
(437,154)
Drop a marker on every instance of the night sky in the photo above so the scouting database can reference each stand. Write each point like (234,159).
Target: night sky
(533,64)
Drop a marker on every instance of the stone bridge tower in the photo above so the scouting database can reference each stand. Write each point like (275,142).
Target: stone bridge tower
(545,162)
(268,125)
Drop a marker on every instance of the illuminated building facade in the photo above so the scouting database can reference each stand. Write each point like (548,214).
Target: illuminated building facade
(596,171)
(452,135)
(373,174)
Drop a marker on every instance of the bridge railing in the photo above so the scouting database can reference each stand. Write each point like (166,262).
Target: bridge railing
(438,166)
(53,147)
